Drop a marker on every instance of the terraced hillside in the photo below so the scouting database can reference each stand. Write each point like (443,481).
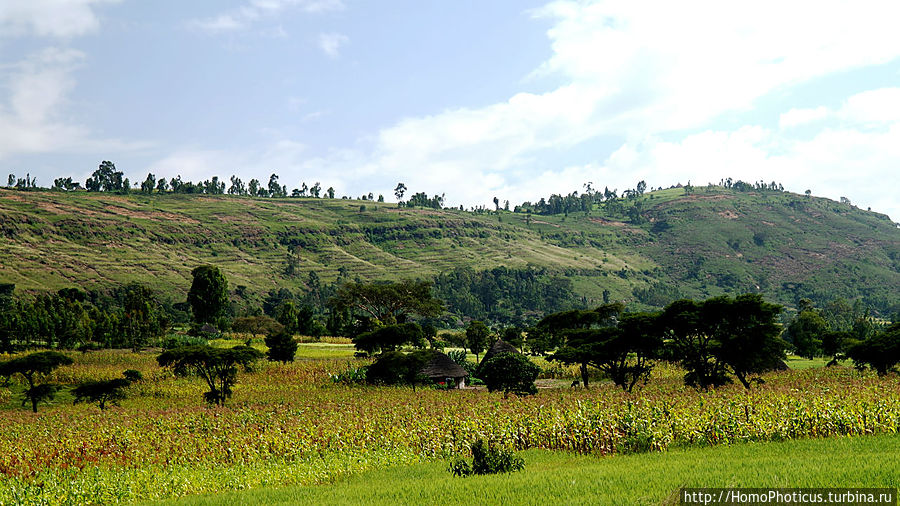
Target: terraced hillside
(705,243)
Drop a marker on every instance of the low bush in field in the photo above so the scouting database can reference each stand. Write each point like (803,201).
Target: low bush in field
(487,459)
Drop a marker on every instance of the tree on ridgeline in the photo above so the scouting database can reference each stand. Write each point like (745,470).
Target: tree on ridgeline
(217,366)
(34,368)
(148,185)
(208,295)
(398,192)
(106,178)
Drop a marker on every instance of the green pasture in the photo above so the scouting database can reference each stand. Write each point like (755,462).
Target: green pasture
(561,478)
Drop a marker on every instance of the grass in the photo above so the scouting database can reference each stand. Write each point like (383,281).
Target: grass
(712,242)
(558,477)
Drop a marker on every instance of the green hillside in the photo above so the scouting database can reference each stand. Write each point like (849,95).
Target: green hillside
(709,242)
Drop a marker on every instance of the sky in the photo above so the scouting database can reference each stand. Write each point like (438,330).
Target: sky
(516,99)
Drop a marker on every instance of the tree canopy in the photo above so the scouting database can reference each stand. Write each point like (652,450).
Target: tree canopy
(217,366)
(208,295)
(33,368)
(388,303)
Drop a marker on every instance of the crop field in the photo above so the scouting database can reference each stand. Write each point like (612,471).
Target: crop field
(292,425)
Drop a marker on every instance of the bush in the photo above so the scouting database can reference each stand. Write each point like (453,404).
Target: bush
(510,372)
(282,347)
(350,376)
(487,459)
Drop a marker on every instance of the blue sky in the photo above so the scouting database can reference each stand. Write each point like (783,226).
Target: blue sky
(474,99)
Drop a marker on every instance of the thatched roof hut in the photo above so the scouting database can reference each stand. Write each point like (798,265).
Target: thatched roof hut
(499,346)
(443,368)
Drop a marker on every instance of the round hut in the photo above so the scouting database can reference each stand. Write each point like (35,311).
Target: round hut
(442,368)
(499,346)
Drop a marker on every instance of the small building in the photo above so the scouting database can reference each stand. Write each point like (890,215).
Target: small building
(442,369)
(499,346)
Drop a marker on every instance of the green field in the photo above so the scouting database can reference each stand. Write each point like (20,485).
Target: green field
(711,242)
(563,478)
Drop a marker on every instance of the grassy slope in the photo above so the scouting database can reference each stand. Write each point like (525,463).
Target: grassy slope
(555,477)
(717,241)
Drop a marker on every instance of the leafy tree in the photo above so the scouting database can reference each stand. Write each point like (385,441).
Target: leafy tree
(399,191)
(748,334)
(623,352)
(805,333)
(288,317)
(513,336)
(148,185)
(105,178)
(881,352)
(256,325)
(208,295)
(162,185)
(390,337)
(282,347)
(560,327)
(477,335)
(723,335)
(510,372)
(34,368)
(142,317)
(217,366)
(834,345)
(388,303)
(105,391)
(253,187)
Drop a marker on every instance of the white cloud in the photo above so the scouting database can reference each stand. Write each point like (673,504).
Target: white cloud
(31,118)
(331,43)
(873,106)
(49,18)
(638,70)
(801,117)
(254,10)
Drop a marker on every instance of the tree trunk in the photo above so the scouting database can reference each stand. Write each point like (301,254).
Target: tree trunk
(584,374)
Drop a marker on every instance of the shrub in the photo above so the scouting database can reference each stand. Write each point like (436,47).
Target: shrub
(282,347)
(487,459)
(510,372)
(350,376)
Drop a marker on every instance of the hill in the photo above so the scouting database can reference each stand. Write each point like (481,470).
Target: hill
(707,242)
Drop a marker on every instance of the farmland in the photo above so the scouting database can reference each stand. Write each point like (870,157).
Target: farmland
(289,424)
(712,242)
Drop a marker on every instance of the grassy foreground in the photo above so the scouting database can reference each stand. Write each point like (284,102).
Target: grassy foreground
(558,477)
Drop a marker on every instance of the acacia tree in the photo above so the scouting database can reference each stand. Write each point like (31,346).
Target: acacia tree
(34,368)
(387,303)
(390,337)
(105,391)
(217,366)
(881,352)
(561,328)
(723,335)
(208,295)
(623,352)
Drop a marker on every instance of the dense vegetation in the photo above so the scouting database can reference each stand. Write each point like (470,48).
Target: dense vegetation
(646,249)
